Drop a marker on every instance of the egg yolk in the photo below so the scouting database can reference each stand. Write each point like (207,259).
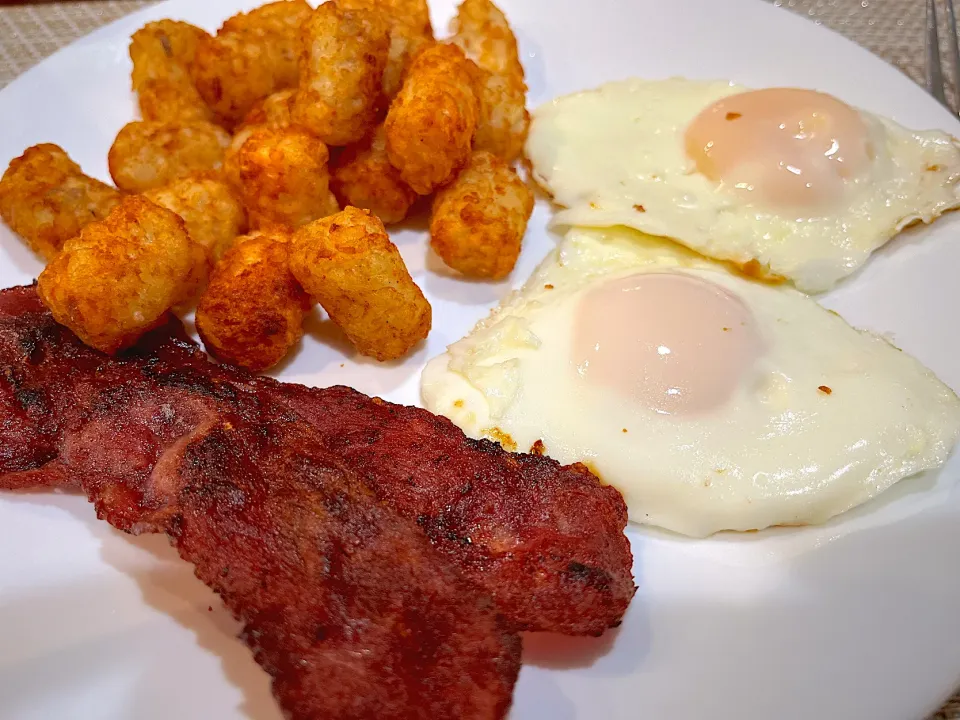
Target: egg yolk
(673,342)
(786,148)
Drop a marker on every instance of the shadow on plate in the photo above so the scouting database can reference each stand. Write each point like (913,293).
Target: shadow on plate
(605,655)
(19,255)
(444,283)
(173,590)
(176,592)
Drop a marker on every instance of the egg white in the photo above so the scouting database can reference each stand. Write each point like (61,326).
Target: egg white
(780,451)
(616,156)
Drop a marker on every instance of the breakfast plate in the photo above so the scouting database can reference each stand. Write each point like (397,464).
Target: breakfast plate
(854,618)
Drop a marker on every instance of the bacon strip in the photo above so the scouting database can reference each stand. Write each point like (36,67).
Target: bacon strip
(345,603)
(545,541)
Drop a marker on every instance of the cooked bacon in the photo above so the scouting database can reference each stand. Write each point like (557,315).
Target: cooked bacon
(545,541)
(345,603)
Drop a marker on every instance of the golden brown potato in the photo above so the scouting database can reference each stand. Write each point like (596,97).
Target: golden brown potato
(406,41)
(231,157)
(253,55)
(330,205)
(363,177)
(284,178)
(120,275)
(210,208)
(234,71)
(409,28)
(481,30)
(504,120)
(146,154)
(342,57)
(45,198)
(274,110)
(431,122)
(282,19)
(479,219)
(483,33)
(161,53)
(415,12)
(252,312)
(347,263)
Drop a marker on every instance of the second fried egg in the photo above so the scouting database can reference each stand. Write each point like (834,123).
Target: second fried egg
(710,401)
(781,181)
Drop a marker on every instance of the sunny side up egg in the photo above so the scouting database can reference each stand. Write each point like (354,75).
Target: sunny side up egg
(782,182)
(711,401)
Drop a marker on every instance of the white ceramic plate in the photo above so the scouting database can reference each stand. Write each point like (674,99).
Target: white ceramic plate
(856,619)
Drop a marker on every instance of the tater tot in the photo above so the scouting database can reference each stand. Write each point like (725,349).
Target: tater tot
(504,120)
(231,157)
(330,205)
(409,30)
(431,122)
(210,208)
(161,52)
(363,177)
(120,275)
(252,312)
(282,18)
(481,30)
(232,72)
(406,41)
(254,55)
(347,263)
(146,154)
(342,57)
(284,178)
(274,110)
(415,12)
(46,199)
(483,33)
(479,219)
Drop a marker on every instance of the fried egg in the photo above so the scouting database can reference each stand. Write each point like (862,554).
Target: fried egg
(710,400)
(781,181)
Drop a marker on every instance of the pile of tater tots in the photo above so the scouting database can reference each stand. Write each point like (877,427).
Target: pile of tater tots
(268,162)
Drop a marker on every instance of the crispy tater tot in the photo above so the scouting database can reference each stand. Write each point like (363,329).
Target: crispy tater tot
(409,29)
(209,206)
(348,264)
(282,18)
(254,55)
(161,53)
(431,122)
(146,155)
(46,199)
(479,219)
(232,72)
(252,312)
(363,177)
(330,205)
(342,57)
(482,31)
(274,110)
(504,119)
(231,157)
(406,41)
(284,178)
(120,275)
(415,12)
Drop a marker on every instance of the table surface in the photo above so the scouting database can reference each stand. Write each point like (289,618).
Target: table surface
(892,29)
